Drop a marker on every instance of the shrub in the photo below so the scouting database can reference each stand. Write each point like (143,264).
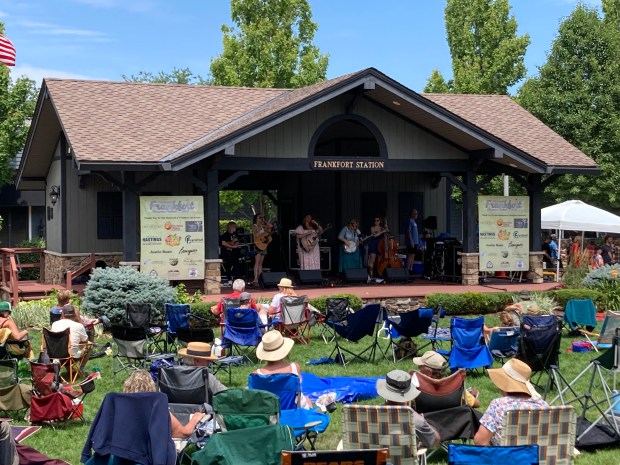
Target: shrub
(203,310)
(354,301)
(109,289)
(470,302)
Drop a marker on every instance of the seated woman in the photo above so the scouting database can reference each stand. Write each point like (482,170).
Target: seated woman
(434,366)
(141,381)
(513,382)
(274,349)
(7,322)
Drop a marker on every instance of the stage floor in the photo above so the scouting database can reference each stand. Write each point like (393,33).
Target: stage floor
(418,289)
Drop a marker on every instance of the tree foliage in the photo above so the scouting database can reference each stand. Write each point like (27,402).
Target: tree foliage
(577,94)
(487,54)
(271,46)
(17,103)
(176,76)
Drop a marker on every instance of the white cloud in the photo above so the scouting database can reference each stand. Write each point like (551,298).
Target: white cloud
(37,74)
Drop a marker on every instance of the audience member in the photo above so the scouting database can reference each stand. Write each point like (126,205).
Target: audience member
(141,381)
(274,349)
(513,382)
(397,389)
(434,366)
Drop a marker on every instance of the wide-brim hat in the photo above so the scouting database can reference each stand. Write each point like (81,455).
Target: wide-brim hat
(285,282)
(201,350)
(398,386)
(274,346)
(431,359)
(513,377)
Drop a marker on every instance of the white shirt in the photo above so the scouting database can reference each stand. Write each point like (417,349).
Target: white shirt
(77,334)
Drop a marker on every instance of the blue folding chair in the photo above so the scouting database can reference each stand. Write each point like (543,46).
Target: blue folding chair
(354,328)
(468,349)
(504,343)
(242,332)
(406,325)
(463,454)
(307,424)
(579,314)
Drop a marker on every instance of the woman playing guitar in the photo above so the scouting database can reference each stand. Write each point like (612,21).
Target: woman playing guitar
(349,252)
(307,234)
(261,231)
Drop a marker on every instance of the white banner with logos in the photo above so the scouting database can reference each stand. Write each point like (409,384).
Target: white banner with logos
(172,237)
(504,233)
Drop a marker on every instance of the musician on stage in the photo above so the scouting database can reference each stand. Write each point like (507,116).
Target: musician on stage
(230,252)
(350,256)
(308,234)
(261,233)
(377,230)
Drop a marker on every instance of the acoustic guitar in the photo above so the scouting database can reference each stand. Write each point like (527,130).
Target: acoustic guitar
(308,243)
(262,241)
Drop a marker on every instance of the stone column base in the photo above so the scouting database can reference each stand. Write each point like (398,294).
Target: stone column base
(469,268)
(213,276)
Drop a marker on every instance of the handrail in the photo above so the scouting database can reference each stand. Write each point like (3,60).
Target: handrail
(70,275)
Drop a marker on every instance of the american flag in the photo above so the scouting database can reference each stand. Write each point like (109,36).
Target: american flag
(7,51)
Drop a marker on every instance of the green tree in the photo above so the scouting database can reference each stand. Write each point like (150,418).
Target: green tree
(487,55)
(577,94)
(17,102)
(176,76)
(270,47)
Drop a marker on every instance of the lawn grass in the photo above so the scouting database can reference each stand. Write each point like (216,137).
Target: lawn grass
(67,443)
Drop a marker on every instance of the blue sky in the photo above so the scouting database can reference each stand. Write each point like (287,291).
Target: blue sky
(104,39)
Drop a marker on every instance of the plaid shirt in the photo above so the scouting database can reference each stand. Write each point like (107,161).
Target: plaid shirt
(492,418)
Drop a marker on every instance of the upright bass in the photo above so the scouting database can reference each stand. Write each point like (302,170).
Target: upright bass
(387,252)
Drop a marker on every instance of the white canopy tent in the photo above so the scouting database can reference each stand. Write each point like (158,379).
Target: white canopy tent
(575,215)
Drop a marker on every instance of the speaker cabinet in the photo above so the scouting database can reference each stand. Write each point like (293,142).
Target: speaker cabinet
(271,278)
(396,274)
(307,277)
(355,275)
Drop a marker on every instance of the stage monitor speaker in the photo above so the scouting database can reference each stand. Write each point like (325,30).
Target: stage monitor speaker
(396,274)
(355,275)
(310,277)
(271,278)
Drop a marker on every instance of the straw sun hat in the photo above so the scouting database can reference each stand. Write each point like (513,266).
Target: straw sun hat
(398,386)
(274,346)
(514,377)
(285,282)
(200,350)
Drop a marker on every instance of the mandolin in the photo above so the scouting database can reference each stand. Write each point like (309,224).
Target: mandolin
(309,243)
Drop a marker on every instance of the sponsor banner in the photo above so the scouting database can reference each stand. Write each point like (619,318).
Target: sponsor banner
(172,243)
(504,233)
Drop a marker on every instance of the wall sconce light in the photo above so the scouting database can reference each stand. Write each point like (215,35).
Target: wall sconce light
(54,194)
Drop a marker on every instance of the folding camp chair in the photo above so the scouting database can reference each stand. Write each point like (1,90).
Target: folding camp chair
(295,319)
(553,429)
(406,325)
(132,349)
(57,345)
(136,426)
(381,426)
(539,346)
(462,454)
(245,408)
(357,457)
(337,309)
(579,314)
(468,349)
(504,343)
(259,445)
(242,332)
(354,328)
(138,315)
(187,389)
(307,424)
(14,397)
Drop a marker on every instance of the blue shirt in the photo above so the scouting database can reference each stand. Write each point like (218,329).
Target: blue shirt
(413,228)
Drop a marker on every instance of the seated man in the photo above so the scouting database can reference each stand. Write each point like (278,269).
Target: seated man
(80,346)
